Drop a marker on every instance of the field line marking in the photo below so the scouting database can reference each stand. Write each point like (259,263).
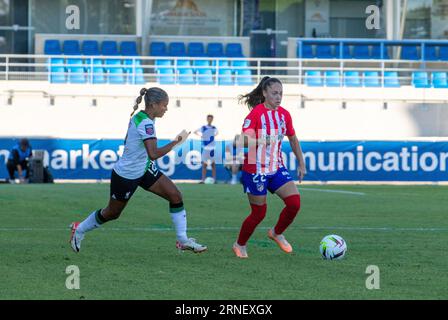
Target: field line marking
(149,229)
(334,191)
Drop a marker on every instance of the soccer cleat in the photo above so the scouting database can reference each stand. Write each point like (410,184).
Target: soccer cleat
(281,241)
(191,245)
(76,238)
(240,251)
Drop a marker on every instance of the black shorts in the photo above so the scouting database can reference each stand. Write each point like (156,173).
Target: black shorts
(122,189)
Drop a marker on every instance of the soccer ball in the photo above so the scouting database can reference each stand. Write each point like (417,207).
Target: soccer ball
(333,247)
(209,180)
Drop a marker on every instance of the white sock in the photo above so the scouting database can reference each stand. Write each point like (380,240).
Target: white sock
(89,223)
(180,225)
(233,177)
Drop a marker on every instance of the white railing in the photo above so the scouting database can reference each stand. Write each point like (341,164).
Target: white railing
(143,69)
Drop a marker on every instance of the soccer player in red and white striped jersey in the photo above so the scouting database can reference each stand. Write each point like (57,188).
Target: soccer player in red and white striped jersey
(264,129)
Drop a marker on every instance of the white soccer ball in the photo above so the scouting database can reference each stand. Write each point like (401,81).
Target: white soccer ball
(333,247)
(209,180)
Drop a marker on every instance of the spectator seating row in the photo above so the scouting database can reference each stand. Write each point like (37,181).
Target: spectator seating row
(97,71)
(77,70)
(196,49)
(364,51)
(204,77)
(129,48)
(420,79)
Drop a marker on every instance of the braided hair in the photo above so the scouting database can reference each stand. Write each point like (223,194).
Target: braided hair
(152,96)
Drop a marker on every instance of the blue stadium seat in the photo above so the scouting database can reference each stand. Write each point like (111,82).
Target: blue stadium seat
(205,77)
(234,50)
(73,65)
(137,77)
(430,53)
(76,75)
(313,78)
(215,50)
(129,48)
(55,62)
(346,53)
(113,64)
(307,51)
(52,47)
(158,49)
(201,64)
(420,79)
(96,63)
(98,76)
(129,64)
(90,48)
(361,51)
(391,79)
(239,65)
(244,78)
(221,64)
(324,51)
(376,52)
(196,49)
(332,79)
(177,49)
(186,76)
(162,63)
(371,79)
(116,76)
(225,77)
(165,76)
(57,75)
(71,47)
(439,80)
(182,64)
(351,79)
(109,48)
(409,52)
(443,53)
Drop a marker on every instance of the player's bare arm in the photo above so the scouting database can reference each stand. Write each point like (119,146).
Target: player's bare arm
(295,146)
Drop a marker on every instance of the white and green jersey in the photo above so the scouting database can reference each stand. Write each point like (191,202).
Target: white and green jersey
(135,161)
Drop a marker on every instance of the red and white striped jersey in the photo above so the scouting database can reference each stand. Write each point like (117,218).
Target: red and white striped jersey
(271,126)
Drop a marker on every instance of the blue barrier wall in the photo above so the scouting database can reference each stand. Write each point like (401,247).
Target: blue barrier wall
(326,161)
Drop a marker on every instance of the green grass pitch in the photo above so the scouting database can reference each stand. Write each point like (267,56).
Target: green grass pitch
(401,229)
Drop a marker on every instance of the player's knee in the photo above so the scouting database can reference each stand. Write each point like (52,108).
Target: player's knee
(293,203)
(258,212)
(175,197)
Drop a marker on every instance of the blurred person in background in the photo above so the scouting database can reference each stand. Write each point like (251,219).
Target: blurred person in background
(18,160)
(234,158)
(208,133)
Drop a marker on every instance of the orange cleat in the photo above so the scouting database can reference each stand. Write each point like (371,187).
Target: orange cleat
(281,241)
(240,251)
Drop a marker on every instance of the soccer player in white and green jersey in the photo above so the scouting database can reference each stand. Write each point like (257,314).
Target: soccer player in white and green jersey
(136,168)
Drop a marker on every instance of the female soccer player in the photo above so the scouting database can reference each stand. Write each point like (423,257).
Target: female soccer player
(136,168)
(263,131)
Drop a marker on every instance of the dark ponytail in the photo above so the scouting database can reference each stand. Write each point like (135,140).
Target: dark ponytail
(255,97)
(152,95)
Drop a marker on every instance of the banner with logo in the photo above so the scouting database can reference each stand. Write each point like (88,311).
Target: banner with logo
(325,161)
(192,17)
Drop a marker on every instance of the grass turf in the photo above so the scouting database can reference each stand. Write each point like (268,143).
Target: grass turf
(401,229)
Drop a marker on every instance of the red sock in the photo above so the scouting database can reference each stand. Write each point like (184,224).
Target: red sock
(288,213)
(252,221)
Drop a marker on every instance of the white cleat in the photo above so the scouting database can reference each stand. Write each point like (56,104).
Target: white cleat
(191,245)
(76,237)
